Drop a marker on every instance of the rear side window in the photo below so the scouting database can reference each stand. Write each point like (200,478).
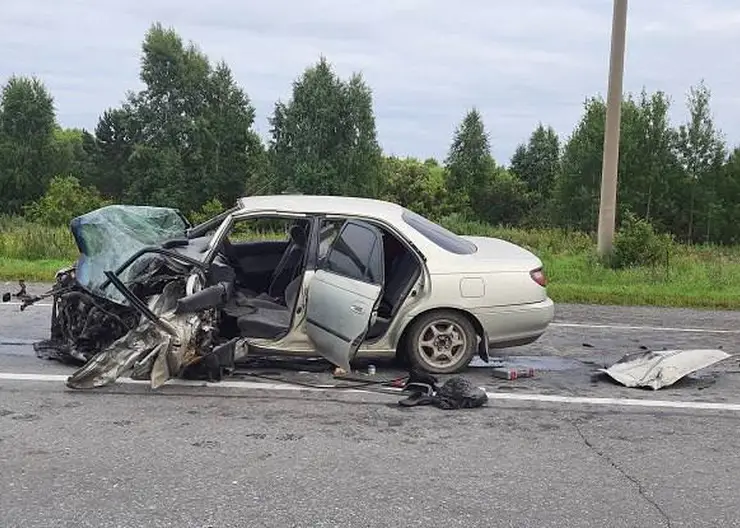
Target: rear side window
(356,254)
(439,235)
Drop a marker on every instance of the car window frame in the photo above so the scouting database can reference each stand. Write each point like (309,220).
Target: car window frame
(335,231)
(374,256)
(223,230)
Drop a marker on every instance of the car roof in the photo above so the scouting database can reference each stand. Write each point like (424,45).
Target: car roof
(357,207)
(329,204)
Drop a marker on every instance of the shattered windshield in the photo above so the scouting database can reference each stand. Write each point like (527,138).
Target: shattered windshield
(108,236)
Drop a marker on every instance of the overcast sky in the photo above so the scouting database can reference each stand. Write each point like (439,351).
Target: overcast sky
(427,61)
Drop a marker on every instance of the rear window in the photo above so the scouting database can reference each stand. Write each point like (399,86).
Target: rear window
(439,235)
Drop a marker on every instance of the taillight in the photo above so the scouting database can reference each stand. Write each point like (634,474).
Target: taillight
(538,275)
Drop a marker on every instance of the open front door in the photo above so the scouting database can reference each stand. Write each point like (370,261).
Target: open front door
(344,293)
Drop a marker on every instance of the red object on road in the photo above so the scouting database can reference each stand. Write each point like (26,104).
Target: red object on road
(513,373)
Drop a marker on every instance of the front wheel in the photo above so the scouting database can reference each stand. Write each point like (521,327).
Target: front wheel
(441,342)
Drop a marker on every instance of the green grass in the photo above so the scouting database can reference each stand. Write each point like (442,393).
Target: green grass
(23,240)
(695,276)
(30,270)
(686,282)
(698,276)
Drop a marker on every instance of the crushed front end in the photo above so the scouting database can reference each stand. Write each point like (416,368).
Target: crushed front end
(140,301)
(82,323)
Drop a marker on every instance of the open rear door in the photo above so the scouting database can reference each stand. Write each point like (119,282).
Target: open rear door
(344,293)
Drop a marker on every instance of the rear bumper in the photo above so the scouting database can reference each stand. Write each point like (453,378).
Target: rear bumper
(516,325)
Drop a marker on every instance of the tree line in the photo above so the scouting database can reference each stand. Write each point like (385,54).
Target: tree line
(187,140)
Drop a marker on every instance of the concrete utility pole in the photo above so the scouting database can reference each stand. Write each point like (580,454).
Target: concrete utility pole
(610,164)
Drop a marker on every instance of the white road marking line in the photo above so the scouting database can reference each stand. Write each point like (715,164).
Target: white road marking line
(539,398)
(628,402)
(15,303)
(646,328)
(62,378)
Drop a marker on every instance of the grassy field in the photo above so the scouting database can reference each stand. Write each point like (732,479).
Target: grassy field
(698,276)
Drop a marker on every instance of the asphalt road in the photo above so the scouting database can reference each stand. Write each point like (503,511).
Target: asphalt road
(222,456)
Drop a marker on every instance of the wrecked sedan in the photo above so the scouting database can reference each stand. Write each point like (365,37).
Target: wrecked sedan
(155,298)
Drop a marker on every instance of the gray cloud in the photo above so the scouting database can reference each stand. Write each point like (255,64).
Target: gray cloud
(427,61)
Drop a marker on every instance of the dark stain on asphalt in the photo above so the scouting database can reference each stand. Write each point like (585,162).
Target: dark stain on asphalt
(207,444)
(26,417)
(38,452)
(289,437)
(548,427)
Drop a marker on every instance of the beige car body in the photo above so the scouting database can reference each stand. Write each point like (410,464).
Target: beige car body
(492,287)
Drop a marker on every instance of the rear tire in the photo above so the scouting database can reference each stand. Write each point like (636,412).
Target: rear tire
(441,342)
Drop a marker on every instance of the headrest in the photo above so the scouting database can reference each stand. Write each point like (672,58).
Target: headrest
(299,236)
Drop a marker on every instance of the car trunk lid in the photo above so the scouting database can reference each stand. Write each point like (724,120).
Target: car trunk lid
(503,254)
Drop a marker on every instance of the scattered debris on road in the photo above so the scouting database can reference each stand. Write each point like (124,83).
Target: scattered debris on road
(21,295)
(165,301)
(519,366)
(658,369)
(512,373)
(455,393)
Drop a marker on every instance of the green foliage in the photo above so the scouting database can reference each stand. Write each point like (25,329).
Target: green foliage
(701,152)
(111,150)
(469,164)
(503,198)
(27,111)
(71,148)
(725,215)
(537,164)
(31,271)
(186,139)
(27,124)
(23,240)
(476,185)
(64,200)
(211,208)
(676,178)
(540,241)
(415,185)
(652,171)
(637,244)
(577,185)
(324,139)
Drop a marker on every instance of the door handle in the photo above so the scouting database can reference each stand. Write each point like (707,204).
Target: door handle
(357,308)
